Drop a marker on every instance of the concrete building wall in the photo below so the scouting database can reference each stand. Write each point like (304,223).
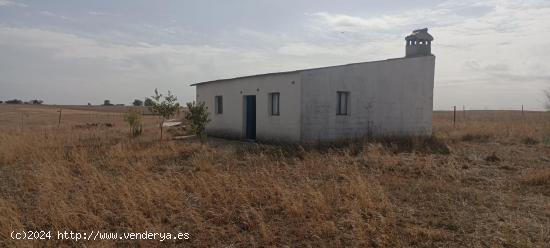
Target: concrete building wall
(284,127)
(418,49)
(389,97)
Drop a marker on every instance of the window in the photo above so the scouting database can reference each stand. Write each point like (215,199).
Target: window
(219,105)
(274,103)
(342,103)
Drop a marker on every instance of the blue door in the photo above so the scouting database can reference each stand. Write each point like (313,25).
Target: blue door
(250,117)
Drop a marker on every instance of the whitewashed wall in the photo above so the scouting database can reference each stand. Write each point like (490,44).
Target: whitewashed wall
(389,97)
(285,127)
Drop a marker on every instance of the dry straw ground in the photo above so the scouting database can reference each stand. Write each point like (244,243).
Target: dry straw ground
(491,190)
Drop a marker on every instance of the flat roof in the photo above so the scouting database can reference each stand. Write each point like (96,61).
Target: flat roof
(285,72)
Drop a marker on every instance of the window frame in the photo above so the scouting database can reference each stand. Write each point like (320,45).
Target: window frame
(339,109)
(272,109)
(218,104)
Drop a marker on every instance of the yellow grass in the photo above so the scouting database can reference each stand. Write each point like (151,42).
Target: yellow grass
(232,194)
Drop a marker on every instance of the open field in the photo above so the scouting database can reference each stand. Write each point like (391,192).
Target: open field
(491,189)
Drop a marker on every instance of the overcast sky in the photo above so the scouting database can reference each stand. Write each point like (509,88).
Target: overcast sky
(489,54)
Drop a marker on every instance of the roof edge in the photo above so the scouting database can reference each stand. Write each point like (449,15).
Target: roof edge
(301,70)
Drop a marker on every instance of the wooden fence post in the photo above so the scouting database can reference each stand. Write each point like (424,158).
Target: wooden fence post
(454,115)
(522,110)
(464,112)
(59,120)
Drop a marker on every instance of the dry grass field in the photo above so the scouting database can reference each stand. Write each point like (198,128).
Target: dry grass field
(491,189)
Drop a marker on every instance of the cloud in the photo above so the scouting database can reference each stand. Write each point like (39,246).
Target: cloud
(11,3)
(444,14)
(102,13)
(71,46)
(51,14)
(341,22)
(305,49)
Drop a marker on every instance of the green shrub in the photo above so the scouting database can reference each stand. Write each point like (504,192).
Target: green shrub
(133,118)
(198,116)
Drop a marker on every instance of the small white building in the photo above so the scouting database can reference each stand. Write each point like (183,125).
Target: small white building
(378,98)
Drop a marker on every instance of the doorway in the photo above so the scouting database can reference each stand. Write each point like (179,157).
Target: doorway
(250,117)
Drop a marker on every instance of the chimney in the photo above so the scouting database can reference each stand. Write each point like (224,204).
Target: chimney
(419,43)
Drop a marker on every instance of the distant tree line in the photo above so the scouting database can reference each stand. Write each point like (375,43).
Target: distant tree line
(17,101)
(148,102)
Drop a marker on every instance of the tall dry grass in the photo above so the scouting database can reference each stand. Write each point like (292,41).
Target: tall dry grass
(230,194)
(220,198)
(501,126)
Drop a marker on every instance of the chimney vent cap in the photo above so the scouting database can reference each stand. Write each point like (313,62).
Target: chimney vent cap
(420,35)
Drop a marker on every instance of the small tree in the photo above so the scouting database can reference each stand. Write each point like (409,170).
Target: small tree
(165,106)
(148,102)
(14,101)
(107,103)
(137,103)
(133,118)
(198,116)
